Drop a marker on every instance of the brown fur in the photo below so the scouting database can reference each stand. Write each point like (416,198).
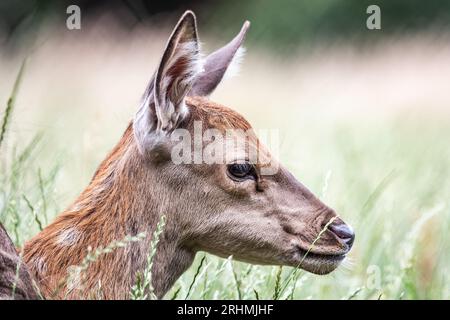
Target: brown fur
(119,201)
(107,210)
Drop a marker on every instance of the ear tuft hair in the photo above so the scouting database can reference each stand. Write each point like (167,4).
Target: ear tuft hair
(217,63)
(235,65)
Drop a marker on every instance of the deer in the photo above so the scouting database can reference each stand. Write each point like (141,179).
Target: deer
(225,209)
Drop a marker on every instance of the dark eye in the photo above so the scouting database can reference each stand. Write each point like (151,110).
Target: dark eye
(241,171)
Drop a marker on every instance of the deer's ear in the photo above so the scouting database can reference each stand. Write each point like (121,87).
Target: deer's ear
(163,106)
(216,64)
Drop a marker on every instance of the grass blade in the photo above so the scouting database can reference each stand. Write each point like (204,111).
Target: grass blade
(11,101)
(195,277)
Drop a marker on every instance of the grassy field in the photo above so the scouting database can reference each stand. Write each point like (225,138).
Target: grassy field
(373,141)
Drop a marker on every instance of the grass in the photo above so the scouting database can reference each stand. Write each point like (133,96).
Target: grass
(76,274)
(143,289)
(389,177)
(11,102)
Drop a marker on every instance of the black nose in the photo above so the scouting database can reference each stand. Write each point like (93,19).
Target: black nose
(344,232)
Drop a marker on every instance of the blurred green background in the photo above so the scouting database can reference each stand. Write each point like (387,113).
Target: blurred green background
(276,24)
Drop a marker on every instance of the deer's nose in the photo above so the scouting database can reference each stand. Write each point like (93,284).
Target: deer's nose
(343,231)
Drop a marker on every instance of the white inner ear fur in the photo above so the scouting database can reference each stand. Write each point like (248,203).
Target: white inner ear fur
(235,65)
(169,115)
(168,111)
(191,50)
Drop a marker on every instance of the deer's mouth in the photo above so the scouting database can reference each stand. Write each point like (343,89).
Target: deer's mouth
(318,263)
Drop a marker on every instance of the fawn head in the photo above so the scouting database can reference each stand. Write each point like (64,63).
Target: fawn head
(247,204)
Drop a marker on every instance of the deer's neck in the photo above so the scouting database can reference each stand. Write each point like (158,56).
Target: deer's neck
(119,202)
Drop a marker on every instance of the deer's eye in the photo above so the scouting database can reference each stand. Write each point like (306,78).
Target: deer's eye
(241,171)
